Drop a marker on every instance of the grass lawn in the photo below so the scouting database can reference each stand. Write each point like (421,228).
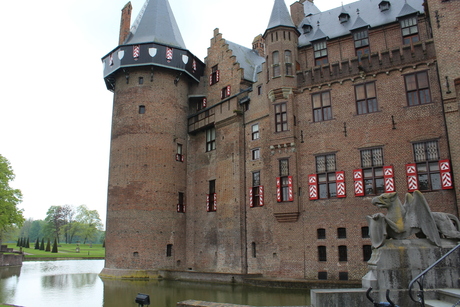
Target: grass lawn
(64,251)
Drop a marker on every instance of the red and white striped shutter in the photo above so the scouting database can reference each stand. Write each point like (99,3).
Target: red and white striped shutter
(389,178)
(412,179)
(207,203)
(290,189)
(217,75)
(205,102)
(446,175)
(210,79)
(215,201)
(278,189)
(229,90)
(182,158)
(178,207)
(313,186)
(251,198)
(222,94)
(359,182)
(261,195)
(183,208)
(340,184)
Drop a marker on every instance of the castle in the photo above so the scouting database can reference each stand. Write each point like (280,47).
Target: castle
(265,160)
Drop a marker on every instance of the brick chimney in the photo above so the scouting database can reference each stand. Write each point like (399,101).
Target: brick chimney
(125,22)
(297,11)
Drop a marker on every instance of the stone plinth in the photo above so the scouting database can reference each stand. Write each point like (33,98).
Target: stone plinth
(397,262)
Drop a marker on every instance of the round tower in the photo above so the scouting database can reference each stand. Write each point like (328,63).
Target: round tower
(150,74)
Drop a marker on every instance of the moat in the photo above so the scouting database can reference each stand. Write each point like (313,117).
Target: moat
(75,283)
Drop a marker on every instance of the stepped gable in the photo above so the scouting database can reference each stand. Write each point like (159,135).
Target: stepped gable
(156,24)
(368,10)
(248,59)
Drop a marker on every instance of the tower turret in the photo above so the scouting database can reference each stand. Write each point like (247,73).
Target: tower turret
(281,39)
(150,74)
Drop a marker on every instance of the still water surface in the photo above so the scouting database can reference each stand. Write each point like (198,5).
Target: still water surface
(75,283)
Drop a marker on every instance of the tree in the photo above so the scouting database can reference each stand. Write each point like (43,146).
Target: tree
(48,246)
(10,215)
(42,246)
(54,222)
(90,222)
(37,244)
(55,247)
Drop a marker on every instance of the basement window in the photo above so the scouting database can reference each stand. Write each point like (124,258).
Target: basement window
(141,109)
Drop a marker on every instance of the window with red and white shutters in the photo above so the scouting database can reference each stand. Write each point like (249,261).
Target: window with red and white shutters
(388,175)
(284,189)
(340,187)
(256,200)
(427,178)
(211,202)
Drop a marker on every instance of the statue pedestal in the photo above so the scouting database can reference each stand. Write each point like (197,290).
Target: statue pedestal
(397,262)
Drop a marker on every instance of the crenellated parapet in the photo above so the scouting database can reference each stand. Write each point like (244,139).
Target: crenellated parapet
(374,63)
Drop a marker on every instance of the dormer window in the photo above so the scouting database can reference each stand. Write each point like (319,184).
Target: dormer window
(384,6)
(361,38)
(320,52)
(409,29)
(344,17)
(307,28)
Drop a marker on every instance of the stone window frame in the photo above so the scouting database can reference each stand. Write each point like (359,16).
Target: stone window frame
(326,174)
(427,163)
(281,119)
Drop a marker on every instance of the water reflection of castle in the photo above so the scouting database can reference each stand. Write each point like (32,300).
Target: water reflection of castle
(264,160)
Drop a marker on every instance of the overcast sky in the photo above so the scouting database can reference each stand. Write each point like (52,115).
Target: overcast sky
(54,107)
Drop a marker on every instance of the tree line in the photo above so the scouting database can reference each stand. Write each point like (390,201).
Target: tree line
(64,223)
(67,224)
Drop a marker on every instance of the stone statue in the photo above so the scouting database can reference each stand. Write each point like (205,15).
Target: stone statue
(414,217)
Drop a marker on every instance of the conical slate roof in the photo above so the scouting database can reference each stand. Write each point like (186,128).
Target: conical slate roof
(407,10)
(280,16)
(156,24)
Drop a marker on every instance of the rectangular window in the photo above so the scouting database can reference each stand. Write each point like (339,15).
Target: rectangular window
(426,155)
(284,182)
(259,90)
(255,131)
(320,51)
(322,275)
(281,123)
(255,189)
(321,106)
(361,38)
(225,92)
(288,62)
(141,109)
(276,64)
(341,233)
(214,77)
(179,154)
(321,233)
(256,154)
(211,204)
(343,275)
(367,252)
(343,253)
(409,30)
(169,250)
(365,232)
(417,88)
(325,169)
(181,203)
(372,163)
(366,98)
(211,139)
(322,256)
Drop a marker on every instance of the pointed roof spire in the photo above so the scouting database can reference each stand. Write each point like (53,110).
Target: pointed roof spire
(280,16)
(156,24)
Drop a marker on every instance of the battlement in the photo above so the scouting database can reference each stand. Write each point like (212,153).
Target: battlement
(380,61)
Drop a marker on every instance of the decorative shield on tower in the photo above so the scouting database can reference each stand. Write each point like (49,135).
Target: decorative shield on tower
(185,59)
(121,54)
(153,52)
